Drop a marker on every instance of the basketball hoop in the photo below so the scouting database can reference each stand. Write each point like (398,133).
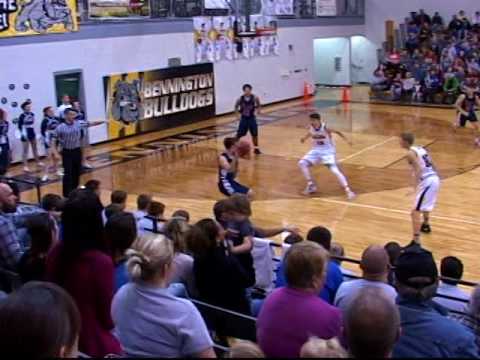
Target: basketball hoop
(246,34)
(266,31)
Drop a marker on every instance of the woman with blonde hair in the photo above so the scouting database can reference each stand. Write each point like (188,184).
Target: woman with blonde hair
(149,320)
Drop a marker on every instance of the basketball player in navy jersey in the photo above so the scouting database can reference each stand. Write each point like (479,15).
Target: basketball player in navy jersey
(248,106)
(466,105)
(426,184)
(227,170)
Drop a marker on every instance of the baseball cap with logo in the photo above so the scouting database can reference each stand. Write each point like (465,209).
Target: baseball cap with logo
(416,268)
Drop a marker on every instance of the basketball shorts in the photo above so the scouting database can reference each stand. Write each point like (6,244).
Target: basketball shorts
(316,157)
(472,117)
(231,187)
(247,123)
(426,194)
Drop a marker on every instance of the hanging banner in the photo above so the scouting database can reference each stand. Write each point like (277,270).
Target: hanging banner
(118,9)
(37,17)
(223,36)
(214,38)
(326,7)
(159,99)
(277,7)
(204,39)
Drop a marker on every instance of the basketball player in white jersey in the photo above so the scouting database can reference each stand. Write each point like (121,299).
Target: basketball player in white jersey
(323,152)
(427,185)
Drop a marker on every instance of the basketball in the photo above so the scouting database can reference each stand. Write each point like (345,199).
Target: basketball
(244,149)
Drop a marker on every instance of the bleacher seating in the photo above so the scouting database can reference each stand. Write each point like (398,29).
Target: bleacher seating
(434,62)
(223,323)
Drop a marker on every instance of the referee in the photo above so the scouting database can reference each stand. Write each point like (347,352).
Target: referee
(69,135)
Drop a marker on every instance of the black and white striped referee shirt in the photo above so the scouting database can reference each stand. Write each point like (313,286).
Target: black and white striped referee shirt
(70,135)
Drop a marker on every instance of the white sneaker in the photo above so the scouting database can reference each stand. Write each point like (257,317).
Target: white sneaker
(310,189)
(44,178)
(351,195)
(26,169)
(87,166)
(60,172)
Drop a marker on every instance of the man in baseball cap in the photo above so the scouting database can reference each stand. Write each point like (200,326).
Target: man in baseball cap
(415,268)
(426,329)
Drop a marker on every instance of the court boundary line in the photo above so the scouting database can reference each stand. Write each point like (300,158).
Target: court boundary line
(368,148)
(398,211)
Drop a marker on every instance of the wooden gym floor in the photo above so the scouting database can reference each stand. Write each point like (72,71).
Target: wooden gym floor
(186,176)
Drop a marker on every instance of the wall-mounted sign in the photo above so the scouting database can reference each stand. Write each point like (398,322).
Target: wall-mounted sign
(159,99)
(36,17)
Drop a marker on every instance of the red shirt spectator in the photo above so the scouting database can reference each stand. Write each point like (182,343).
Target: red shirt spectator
(459,63)
(429,54)
(89,280)
(79,265)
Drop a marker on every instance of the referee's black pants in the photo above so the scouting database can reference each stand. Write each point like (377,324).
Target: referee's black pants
(72,168)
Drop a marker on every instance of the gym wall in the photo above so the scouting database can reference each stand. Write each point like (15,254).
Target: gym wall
(34,61)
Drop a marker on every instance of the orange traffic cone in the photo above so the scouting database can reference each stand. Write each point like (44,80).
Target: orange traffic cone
(306,93)
(346,95)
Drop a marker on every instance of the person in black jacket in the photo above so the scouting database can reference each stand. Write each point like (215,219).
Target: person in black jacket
(43,234)
(219,277)
(424,18)
(437,19)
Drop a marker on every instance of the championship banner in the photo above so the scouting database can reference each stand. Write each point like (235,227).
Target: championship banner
(36,17)
(118,9)
(326,7)
(159,99)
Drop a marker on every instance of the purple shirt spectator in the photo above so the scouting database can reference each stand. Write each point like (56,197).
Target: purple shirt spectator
(289,317)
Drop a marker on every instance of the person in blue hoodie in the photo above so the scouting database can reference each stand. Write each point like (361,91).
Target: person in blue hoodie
(334,278)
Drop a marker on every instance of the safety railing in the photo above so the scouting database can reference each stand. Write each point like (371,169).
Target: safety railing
(466,283)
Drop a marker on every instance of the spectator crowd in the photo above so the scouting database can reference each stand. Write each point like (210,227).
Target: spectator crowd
(101,280)
(439,57)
